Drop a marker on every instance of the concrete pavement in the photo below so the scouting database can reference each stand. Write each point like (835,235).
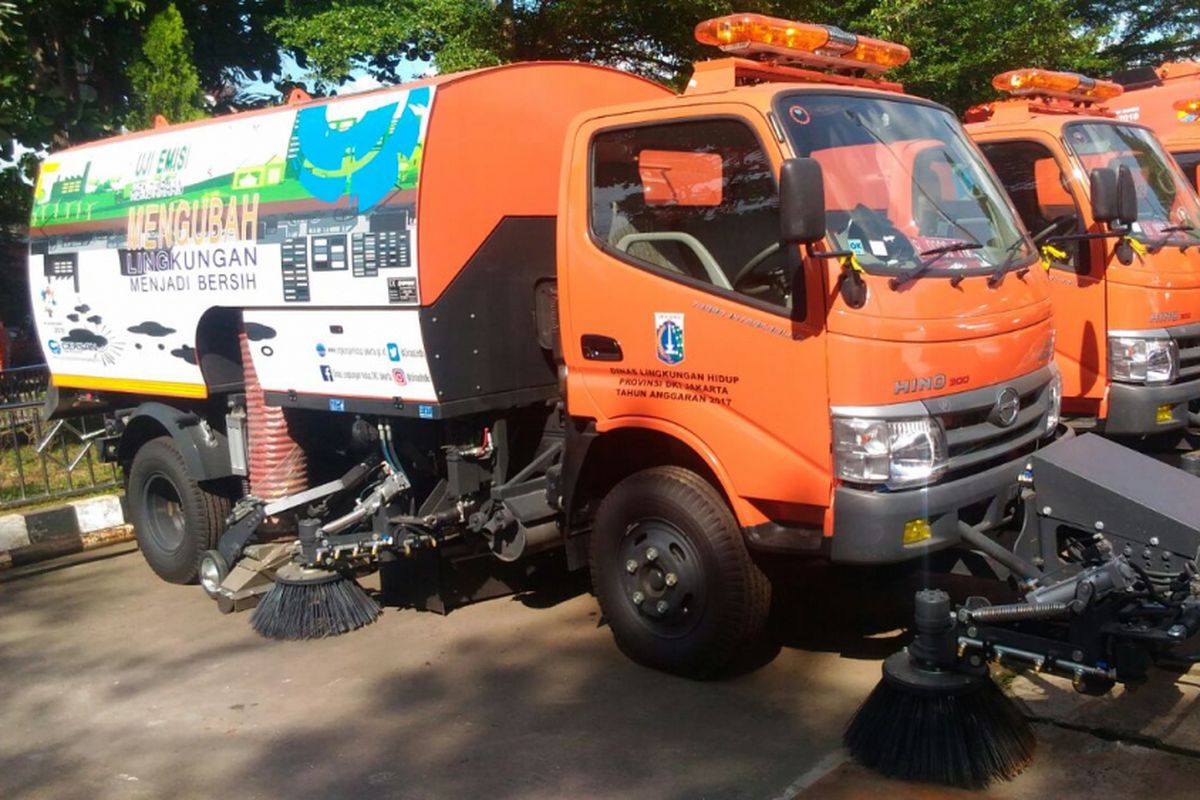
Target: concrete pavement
(116,685)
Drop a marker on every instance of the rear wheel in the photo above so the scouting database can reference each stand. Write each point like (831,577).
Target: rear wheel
(176,518)
(673,575)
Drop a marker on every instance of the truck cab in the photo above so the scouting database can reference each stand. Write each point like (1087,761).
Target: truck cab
(1166,99)
(857,391)
(1116,222)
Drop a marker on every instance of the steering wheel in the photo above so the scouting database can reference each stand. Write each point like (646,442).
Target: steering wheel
(1054,225)
(748,268)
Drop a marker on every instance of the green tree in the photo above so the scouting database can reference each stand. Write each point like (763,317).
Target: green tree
(1137,32)
(164,80)
(653,39)
(958,47)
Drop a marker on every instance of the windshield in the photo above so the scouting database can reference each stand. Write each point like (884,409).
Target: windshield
(903,185)
(1167,206)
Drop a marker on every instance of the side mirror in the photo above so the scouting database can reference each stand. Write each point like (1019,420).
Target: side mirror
(1114,196)
(801,201)
(1127,211)
(1103,191)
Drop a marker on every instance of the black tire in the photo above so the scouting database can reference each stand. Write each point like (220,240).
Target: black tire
(175,518)
(668,521)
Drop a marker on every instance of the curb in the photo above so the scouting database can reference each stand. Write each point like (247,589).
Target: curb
(72,528)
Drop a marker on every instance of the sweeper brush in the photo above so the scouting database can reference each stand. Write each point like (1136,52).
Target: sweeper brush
(312,604)
(926,721)
(1105,566)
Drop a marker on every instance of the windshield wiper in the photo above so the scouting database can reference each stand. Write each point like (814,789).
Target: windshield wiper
(857,120)
(936,253)
(1159,244)
(1009,256)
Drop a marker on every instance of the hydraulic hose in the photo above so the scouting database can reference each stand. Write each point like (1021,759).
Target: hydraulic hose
(982,542)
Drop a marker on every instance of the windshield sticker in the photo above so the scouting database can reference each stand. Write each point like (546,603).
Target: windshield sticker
(799,115)
(879,248)
(856,247)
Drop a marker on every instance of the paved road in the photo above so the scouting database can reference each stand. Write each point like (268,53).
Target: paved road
(115,685)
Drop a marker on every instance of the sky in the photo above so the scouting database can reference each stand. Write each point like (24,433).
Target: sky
(360,80)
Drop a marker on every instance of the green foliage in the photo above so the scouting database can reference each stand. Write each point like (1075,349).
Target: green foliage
(64,64)
(1136,32)
(958,47)
(164,80)
(16,197)
(654,39)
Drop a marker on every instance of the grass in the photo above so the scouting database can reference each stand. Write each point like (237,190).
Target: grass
(28,478)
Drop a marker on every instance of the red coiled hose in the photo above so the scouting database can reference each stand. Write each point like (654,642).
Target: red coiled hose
(278,466)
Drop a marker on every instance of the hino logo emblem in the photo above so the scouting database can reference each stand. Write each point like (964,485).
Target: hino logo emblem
(1008,404)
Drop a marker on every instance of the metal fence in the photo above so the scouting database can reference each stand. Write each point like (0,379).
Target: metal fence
(41,461)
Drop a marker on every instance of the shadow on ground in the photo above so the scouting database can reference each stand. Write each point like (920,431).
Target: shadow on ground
(117,685)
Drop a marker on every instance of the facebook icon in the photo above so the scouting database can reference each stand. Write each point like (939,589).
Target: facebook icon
(393,351)
(327,373)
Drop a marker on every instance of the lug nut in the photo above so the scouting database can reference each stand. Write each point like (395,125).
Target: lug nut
(662,607)
(651,553)
(671,579)
(638,598)
(631,566)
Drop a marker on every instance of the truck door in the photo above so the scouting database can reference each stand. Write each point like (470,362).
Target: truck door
(678,304)
(1044,198)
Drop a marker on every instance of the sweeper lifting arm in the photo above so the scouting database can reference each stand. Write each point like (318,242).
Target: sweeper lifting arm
(1107,566)
(371,514)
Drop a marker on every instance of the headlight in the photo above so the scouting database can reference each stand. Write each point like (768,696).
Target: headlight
(1138,359)
(1055,412)
(897,453)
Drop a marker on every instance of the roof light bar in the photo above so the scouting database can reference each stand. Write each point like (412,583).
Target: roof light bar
(806,43)
(1067,85)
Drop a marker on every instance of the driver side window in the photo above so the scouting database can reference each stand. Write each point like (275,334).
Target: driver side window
(696,200)
(1042,196)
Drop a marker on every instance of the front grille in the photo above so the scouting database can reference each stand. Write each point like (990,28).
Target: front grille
(974,442)
(1189,353)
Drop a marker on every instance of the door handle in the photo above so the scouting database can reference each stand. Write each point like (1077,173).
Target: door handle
(601,348)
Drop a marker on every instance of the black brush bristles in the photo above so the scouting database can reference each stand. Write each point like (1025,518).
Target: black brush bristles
(967,738)
(313,609)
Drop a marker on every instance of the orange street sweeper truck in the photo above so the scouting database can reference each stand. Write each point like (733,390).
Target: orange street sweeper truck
(554,308)
(1117,225)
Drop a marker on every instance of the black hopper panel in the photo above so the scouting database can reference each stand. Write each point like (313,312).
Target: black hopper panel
(481,336)
(1093,484)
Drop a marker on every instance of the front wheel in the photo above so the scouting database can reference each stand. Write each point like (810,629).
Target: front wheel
(673,576)
(176,519)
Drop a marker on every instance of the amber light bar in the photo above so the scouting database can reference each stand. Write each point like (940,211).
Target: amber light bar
(1068,85)
(803,42)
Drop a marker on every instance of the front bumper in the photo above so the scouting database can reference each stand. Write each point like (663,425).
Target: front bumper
(868,526)
(1133,408)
